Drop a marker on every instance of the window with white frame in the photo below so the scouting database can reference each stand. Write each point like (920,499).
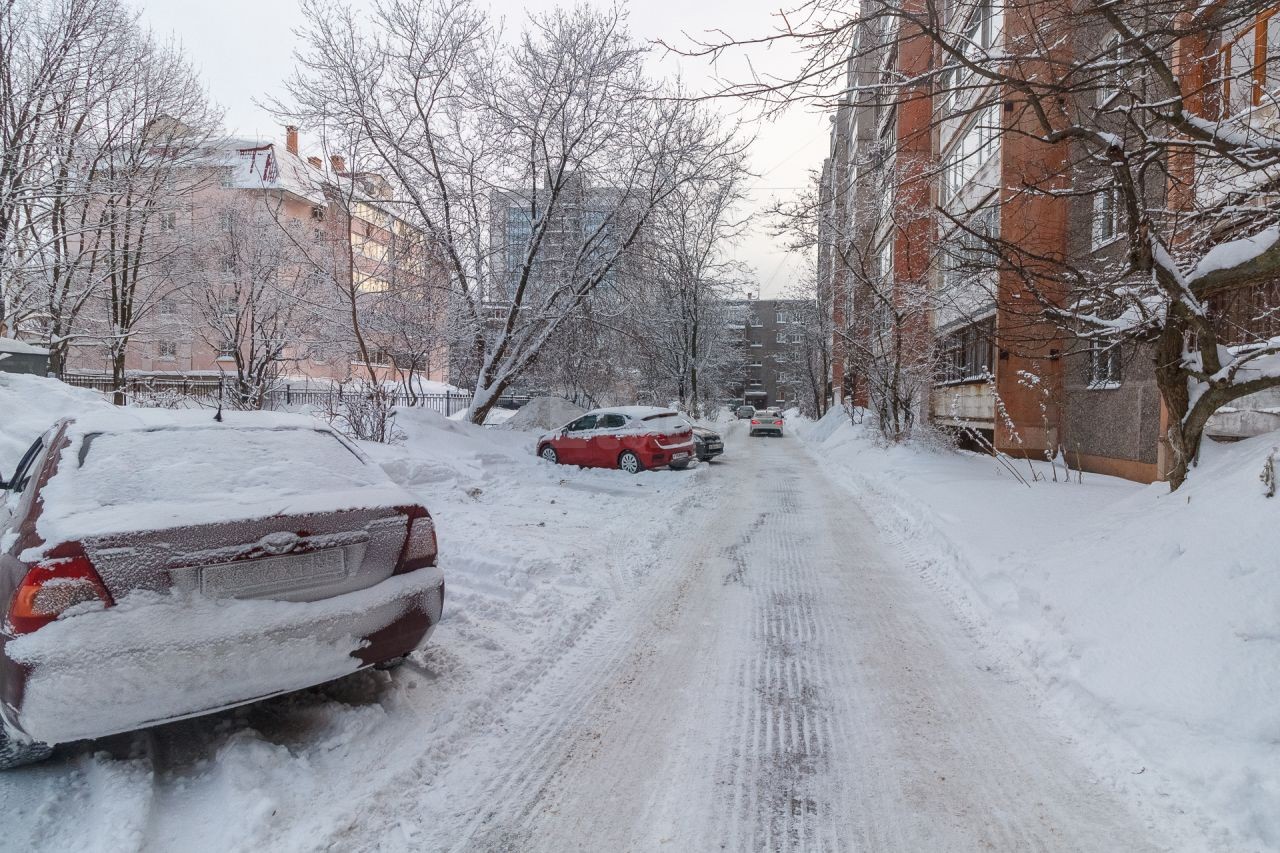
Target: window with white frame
(782,337)
(166,307)
(1106,216)
(1112,73)
(794,338)
(782,316)
(970,151)
(1251,64)
(1104,364)
(167,350)
(225,220)
(967,253)
(974,40)
(168,221)
(227,349)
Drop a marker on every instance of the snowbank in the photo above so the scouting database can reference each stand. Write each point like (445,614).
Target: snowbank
(1149,618)
(543,413)
(17,346)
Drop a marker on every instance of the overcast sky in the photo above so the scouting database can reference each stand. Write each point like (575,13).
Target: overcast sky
(244,49)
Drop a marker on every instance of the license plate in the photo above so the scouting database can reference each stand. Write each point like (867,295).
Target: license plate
(679,455)
(254,578)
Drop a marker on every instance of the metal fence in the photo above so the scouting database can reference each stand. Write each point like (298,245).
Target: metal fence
(208,391)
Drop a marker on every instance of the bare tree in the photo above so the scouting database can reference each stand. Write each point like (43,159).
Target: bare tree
(467,126)
(1155,113)
(253,291)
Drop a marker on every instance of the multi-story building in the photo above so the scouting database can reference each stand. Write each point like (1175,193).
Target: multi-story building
(1002,373)
(772,337)
(268,254)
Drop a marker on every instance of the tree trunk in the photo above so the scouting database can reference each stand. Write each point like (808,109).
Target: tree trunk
(117,377)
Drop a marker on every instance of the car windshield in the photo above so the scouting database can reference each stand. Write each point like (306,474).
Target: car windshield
(164,465)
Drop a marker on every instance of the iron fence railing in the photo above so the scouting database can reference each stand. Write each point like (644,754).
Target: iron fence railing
(151,390)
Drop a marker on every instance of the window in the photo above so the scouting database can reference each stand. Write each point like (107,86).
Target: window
(611,422)
(168,221)
(975,40)
(1106,216)
(755,365)
(1251,64)
(225,220)
(967,255)
(782,337)
(782,317)
(226,177)
(793,338)
(1113,74)
(167,350)
(757,344)
(1104,364)
(970,151)
(166,307)
(229,263)
(228,306)
(227,349)
(583,423)
(317,213)
(967,354)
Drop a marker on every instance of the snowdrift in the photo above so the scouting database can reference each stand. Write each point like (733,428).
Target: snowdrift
(1149,618)
(543,413)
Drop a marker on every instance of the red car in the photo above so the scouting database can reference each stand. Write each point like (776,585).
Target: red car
(159,565)
(632,438)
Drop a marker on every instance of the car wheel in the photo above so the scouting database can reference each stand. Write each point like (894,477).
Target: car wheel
(15,754)
(630,463)
(549,453)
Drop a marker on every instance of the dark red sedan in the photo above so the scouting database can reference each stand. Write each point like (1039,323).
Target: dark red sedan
(631,438)
(159,565)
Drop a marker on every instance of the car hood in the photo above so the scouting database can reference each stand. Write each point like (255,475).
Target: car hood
(703,432)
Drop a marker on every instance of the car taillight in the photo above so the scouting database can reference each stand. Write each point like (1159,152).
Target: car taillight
(53,586)
(419,549)
(755,422)
(777,423)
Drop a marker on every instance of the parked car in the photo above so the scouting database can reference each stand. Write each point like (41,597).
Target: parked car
(707,443)
(765,423)
(744,412)
(776,411)
(632,438)
(160,565)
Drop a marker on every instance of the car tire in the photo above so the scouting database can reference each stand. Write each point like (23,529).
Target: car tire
(15,753)
(549,453)
(630,463)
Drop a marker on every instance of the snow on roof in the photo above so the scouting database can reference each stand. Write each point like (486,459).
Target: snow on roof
(264,164)
(633,411)
(16,346)
(153,469)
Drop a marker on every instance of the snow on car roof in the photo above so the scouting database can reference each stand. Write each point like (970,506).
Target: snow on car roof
(633,411)
(152,469)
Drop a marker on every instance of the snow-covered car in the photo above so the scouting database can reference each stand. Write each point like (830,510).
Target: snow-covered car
(632,438)
(159,565)
(764,423)
(707,443)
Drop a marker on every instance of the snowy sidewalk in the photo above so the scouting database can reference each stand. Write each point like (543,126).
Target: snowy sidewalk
(1148,619)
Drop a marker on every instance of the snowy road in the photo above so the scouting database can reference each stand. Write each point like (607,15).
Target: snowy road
(779,683)
(720,659)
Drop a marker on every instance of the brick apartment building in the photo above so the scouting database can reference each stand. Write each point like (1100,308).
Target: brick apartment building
(1001,372)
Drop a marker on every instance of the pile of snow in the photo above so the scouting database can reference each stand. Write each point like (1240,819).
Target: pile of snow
(544,413)
(17,346)
(1149,617)
(29,405)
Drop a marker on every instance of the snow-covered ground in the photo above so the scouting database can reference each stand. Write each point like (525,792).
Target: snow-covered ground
(732,657)
(1149,618)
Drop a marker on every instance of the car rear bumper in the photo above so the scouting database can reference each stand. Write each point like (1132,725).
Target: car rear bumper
(705,453)
(158,658)
(769,428)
